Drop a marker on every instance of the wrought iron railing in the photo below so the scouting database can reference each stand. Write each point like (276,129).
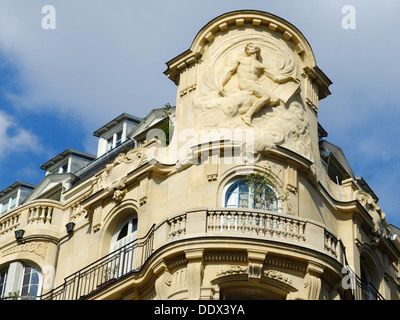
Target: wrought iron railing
(360,290)
(105,271)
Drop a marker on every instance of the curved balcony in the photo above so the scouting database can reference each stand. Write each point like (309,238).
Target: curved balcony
(254,224)
(37,217)
(205,223)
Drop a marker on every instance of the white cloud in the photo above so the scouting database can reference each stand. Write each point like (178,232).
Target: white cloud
(14,139)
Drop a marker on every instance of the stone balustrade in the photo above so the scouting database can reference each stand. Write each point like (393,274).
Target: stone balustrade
(256,224)
(9,223)
(331,243)
(178,227)
(35,214)
(40,214)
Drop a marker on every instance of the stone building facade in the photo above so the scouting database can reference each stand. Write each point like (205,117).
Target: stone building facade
(167,210)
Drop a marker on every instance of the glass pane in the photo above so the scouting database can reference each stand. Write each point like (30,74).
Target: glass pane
(13,202)
(119,139)
(4,207)
(33,290)
(35,278)
(109,144)
(237,195)
(3,277)
(24,291)
(27,278)
(124,232)
(134,225)
(243,200)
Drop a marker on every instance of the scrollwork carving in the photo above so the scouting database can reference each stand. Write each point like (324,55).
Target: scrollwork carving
(38,248)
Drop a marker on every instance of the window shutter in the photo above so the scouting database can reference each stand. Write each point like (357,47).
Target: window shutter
(14,279)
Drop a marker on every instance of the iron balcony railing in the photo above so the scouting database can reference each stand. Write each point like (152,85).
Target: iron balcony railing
(105,271)
(360,290)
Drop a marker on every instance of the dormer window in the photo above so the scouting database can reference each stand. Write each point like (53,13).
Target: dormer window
(114,141)
(115,133)
(14,195)
(68,161)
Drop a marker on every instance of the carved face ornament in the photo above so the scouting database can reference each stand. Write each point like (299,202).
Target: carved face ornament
(251,49)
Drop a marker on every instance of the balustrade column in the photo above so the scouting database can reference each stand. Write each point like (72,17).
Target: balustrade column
(296,229)
(247,222)
(289,228)
(274,226)
(210,221)
(302,231)
(240,222)
(225,222)
(254,226)
(218,226)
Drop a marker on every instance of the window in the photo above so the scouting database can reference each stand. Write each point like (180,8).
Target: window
(20,281)
(239,195)
(119,139)
(124,261)
(9,204)
(3,279)
(13,202)
(30,283)
(64,168)
(124,234)
(4,207)
(110,143)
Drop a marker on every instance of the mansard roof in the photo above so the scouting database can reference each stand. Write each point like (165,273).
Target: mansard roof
(66,154)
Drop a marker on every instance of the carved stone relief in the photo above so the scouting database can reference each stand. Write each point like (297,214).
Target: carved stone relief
(251,80)
(38,248)
(77,211)
(111,177)
(255,271)
(367,201)
(162,285)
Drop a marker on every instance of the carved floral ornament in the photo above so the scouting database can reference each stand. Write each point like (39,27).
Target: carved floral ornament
(238,270)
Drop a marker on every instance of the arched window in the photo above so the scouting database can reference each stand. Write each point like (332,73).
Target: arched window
(369,292)
(125,233)
(122,244)
(20,281)
(237,194)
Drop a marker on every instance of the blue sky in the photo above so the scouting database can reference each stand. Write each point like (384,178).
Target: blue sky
(108,57)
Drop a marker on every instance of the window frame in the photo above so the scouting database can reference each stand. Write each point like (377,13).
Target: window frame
(15,276)
(8,205)
(276,205)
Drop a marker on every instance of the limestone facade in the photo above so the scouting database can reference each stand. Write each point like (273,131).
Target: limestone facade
(176,221)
